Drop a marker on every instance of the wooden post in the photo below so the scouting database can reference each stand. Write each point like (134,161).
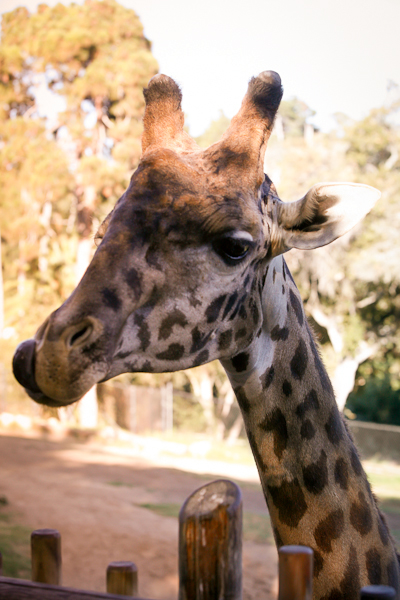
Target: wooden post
(377,592)
(122,578)
(295,573)
(46,556)
(210,543)
(1,565)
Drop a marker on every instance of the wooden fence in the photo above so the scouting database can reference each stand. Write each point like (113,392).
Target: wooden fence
(210,559)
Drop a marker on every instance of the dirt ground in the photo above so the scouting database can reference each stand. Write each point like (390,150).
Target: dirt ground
(91,494)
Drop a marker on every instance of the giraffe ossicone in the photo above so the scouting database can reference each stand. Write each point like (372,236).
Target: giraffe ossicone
(189,269)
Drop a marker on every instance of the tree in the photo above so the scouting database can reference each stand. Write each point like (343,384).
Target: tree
(351,290)
(214,131)
(294,114)
(61,179)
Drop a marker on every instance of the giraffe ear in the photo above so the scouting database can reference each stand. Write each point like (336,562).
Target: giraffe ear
(327,211)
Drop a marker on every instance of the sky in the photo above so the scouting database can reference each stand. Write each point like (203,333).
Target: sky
(337,56)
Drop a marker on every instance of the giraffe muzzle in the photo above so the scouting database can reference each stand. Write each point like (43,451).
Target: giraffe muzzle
(24,372)
(63,362)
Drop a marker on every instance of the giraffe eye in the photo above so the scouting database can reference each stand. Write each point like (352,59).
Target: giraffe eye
(232,249)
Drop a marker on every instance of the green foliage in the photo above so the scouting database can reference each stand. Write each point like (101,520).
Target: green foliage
(58,184)
(165,510)
(14,546)
(214,131)
(294,115)
(188,415)
(355,282)
(256,526)
(376,401)
(372,140)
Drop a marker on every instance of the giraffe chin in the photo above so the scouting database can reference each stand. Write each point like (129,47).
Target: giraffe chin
(41,398)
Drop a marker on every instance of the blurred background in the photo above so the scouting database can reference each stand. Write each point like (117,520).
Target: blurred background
(71,103)
(71,108)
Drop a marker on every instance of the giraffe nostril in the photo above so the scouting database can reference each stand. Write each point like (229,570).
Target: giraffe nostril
(80,335)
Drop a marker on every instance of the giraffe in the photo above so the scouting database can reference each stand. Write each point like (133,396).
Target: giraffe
(189,268)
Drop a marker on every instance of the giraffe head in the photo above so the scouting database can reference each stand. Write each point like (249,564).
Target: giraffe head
(179,272)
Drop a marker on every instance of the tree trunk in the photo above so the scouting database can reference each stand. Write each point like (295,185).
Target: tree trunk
(202,384)
(345,373)
(88,409)
(235,430)
(228,399)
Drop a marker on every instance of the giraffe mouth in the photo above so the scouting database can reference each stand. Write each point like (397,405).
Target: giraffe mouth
(24,372)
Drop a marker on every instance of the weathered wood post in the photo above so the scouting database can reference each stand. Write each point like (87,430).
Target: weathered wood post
(122,578)
(46,556)
(296,567)
(1,564)
(210,543)
(377,592)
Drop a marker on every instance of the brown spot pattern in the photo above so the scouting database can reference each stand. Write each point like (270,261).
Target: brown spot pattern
(355,461)
(240,362)
(267,378)
(334,427)
(279,334)
(143,333)
(240,333)
(310,402)
(298,364)
(111,299)
(229,305)
(242,399)
(307,430)
(213,310)
(373,564)
(383,530)
(202,357)
(323,375)
(254,311)
(176,317)
(134,279)
(393,574)
(342,473)
(289,500)
(242,312)
(315,475)
(199,340)
(287,388)
(360,515)
(224,340)
(276,423)
(350,584)
(296,305)
(173,352)
(329,529)
(318,563)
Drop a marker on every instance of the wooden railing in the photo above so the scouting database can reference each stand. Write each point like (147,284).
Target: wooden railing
(210,559)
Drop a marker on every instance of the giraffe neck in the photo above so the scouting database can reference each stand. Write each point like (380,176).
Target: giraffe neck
(315,486)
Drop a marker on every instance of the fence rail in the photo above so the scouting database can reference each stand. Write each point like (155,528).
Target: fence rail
(210,559)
